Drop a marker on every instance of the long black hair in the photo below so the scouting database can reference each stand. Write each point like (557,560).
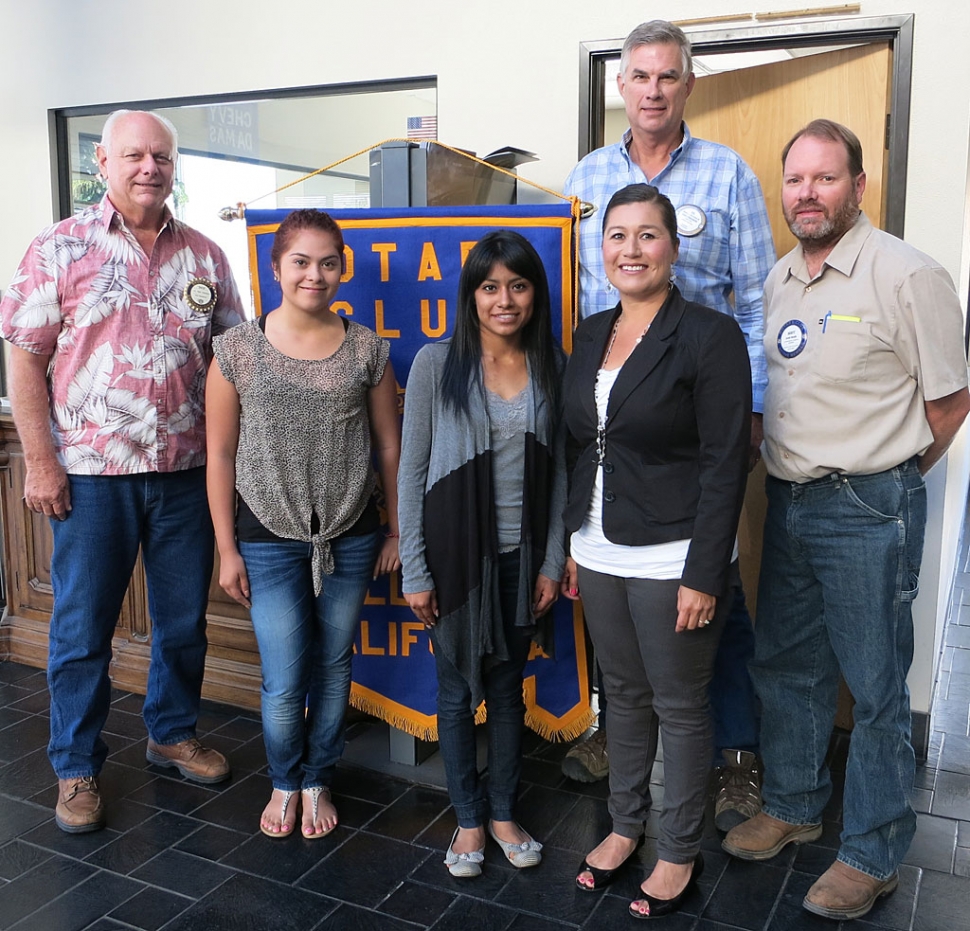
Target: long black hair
(463,364)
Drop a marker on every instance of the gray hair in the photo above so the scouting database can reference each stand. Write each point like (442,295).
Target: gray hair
(656,32)
(112,121)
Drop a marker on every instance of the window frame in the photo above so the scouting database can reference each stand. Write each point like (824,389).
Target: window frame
(58,118)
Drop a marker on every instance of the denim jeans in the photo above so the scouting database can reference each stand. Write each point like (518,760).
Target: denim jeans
(839,574)
(305,649)
(506,719)
(94,553)
(734,705)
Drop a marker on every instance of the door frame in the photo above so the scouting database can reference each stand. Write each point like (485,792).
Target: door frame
(896,29)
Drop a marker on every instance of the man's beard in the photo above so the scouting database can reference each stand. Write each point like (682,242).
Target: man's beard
(829,229)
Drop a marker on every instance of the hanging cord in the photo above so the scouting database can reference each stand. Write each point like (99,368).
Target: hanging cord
(473,158)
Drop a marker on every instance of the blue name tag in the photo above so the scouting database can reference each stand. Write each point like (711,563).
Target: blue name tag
(792,338)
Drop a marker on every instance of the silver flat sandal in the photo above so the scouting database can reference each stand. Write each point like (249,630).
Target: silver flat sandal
(280,834)
(315,792)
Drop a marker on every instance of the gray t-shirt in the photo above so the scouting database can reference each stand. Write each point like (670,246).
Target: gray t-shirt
(507,422)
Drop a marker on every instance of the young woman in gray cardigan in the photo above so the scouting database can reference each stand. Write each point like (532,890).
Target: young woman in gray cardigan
(482,486)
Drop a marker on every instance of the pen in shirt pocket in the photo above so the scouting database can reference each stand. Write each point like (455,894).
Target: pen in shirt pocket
(846,317)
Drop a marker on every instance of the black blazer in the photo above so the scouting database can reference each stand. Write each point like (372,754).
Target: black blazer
(677,435)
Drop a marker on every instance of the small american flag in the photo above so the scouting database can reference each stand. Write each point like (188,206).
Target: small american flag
(422,127)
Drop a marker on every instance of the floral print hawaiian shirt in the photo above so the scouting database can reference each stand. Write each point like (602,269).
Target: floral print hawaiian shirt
(129,342)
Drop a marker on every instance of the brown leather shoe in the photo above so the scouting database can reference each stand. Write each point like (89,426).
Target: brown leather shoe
(191,759)
(762,837)
(842,892)
(79,806)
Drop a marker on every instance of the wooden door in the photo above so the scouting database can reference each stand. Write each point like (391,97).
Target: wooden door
(756,111)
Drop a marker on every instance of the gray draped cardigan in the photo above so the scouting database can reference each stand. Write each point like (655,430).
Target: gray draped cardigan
(447,520)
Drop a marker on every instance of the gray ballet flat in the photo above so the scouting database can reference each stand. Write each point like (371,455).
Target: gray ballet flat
(464,865)
(522,855)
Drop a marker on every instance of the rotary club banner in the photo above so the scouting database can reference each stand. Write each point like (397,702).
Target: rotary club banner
(401,281)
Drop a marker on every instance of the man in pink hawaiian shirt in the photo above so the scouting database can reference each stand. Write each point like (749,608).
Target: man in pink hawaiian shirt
(110,319)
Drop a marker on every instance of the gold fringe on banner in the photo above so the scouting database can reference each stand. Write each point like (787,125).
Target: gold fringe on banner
(534,722)
(563,733)
(404,722)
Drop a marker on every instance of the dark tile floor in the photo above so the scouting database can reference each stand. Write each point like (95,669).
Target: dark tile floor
(180,857)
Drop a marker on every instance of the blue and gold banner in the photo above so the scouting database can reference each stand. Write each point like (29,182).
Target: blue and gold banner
(401,281)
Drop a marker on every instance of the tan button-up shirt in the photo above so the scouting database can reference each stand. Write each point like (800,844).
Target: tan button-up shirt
(853,354)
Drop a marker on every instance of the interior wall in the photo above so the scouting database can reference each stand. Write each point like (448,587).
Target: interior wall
(226,47)
(508,78)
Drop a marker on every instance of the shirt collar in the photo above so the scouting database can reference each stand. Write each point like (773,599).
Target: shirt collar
(674,155)
(843,256)
(109,211)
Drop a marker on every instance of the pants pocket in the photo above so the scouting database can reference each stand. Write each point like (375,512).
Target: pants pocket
(915,525)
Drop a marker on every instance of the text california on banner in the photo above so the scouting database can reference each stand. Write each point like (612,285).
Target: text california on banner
(401,280)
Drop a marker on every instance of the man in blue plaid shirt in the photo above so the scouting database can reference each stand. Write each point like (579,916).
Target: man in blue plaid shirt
(726,252)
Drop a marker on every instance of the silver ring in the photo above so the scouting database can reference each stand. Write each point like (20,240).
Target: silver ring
(705,623)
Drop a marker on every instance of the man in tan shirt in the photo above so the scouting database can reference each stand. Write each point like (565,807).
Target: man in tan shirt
(867,385)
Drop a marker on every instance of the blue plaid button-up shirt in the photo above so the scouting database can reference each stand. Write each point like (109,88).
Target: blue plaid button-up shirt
(733,253)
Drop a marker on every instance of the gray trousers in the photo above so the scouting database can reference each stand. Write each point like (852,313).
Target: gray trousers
(650,670)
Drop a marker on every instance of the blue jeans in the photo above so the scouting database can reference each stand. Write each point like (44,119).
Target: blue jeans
(306,646)
(839,574)
(734,705)
(94,553)
(506,719)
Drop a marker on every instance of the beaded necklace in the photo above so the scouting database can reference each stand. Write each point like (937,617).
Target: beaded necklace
(600,419)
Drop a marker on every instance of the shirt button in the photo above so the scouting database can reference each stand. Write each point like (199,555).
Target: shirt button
(781,416)
(791,371)
(808,288)
(609,497)
(608,468)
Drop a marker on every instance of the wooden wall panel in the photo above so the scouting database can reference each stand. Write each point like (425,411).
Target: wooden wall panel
(232,662)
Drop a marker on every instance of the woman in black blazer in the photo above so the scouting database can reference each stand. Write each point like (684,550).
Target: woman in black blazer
(657,404)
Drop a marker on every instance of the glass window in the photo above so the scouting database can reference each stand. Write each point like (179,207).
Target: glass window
(233,150)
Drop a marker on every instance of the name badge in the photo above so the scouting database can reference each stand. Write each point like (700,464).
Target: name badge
(691,220)
(200,294)
(792,338)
